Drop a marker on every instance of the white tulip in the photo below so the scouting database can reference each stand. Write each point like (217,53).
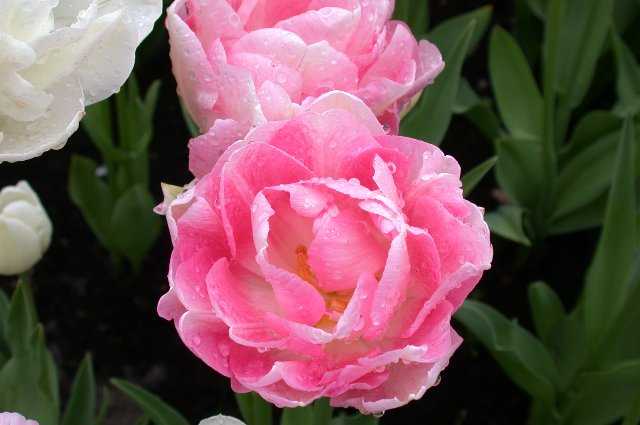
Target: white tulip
(56,56)
(222,420)
(25,229)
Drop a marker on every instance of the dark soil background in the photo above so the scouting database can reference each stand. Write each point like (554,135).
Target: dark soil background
(86,306)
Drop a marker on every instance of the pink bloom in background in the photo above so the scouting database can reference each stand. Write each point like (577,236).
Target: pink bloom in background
(7,418)
(246,62)
(321,257)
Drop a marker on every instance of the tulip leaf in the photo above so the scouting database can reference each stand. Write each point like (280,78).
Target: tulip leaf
(518,170)
(593,126)
(628,82)
(430,119)
(319,413)
(517,94)
(156,409)
(447,34)
(414,13)
(81,408)
(473,177)
(191,125)
(508,222)
(605,396)
(254,409)
(582,39)
(466,99)
(133,224)
(521,355)
(605,289)
(22,318)
(586,176)
(547,310)
(344,419)
(92,196)
(587,217)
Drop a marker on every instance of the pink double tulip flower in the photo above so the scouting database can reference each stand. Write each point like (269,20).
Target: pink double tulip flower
(322,257)
(246,62)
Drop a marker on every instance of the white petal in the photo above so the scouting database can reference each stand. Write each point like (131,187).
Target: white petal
(222,420)
(19,247)
(23,141)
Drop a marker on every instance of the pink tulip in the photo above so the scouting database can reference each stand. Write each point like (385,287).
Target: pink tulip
(7,418)
(321,257)
(250,61)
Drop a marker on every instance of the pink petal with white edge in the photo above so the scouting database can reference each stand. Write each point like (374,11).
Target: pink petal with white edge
(275,101)
(333,24)
(355,318)
(282,47)
(247,171)
(200,14)
(430,65)
(344,247)
(300,302)
(207,337)
(205,150)
(235,299)
(406,382)
(349,103)
(264,69)
(191,68)
(324,68)
(392,288)
(170,307)
(396,63)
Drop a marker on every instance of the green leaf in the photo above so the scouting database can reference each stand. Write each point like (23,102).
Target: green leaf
(254,409)
(447,34)
(49,382)
(191,125)
(344,419)
(473,177)
(605,396)
(485,119)
(605,289)
(538,7)
(621,342)
(593,126)
(159,412)
(586,176)
(628,82)
(587,217)
(508,222)
(510,74)
(81,408)
(98,125)
(28,383)
(104,406)
(633,416)
(22,319)
(92,196)
(319,413)
(522,357)
(466,99)
(581,41)
(569,341)
(518,170)
(546,308)
(430,119)
(414,13)
(134,225)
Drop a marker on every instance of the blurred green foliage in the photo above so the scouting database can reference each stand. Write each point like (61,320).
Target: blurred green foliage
(114,198)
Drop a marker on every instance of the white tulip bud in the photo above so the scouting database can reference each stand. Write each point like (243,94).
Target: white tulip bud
(25,229)
(222,420)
